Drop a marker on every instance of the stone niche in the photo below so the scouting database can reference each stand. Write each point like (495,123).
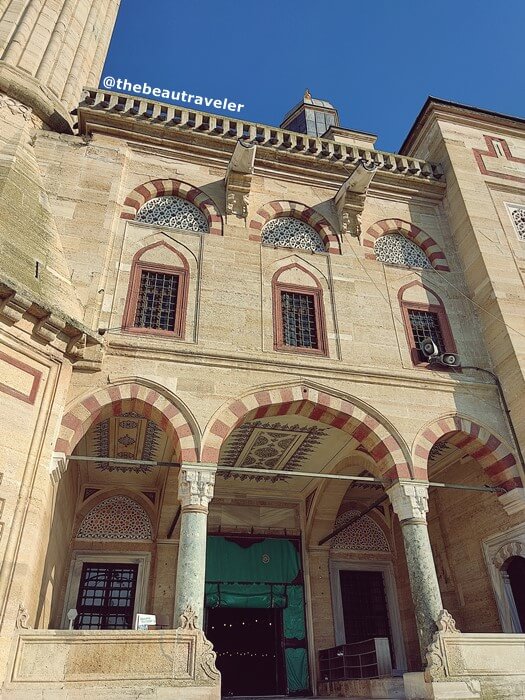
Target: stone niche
(112,664)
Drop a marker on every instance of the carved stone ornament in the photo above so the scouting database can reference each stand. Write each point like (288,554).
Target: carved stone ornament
(196,487)
(18,109)
(510,549)
(237,204)
(409,500)
(436,668)
(205,657)
(446,623)
(188,619)
(22,618)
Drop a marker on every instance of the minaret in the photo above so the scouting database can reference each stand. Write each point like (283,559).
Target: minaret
(50,50)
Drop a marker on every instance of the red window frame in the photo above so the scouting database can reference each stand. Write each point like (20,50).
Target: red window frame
(130,308)
(320,326)
(446,332)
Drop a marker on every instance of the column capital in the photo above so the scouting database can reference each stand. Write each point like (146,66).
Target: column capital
(409,499)
(196,487)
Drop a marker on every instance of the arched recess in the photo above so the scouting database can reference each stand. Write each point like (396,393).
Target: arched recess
(316,404)
(308,215)
(119,516)
(177,424)
(489,450)
(169,187)
(429,246)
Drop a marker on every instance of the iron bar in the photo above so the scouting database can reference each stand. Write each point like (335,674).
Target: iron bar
(353,520)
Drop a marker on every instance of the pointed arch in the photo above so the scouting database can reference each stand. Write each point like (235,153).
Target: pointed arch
(176,188)
(177,424)
(316,404)
(427,244)
(488,449)
(280,208)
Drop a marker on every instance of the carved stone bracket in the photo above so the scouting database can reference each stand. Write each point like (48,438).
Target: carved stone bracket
(205,668)
(350,199)
(22,618)
(239,179)
(196,487)
(57,466)
(436,669)
(409,499)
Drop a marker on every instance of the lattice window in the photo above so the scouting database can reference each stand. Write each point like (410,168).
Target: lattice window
(364,535)
(299,320)
(157,300)
(395,249)
(425,324)
(116,518)
(172,212)
(517,214)
(289,232)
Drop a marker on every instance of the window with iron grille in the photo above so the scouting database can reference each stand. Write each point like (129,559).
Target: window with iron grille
(106,596)
(299,320)
(157,305)
(426,324)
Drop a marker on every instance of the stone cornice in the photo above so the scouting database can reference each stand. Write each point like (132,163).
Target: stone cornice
(124,116)
(49,326)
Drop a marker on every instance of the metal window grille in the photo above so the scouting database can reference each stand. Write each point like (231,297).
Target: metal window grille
(425,324)
(299,321)
(106,596)
(157,300)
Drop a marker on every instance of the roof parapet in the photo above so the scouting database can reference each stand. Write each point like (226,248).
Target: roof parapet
(230,129)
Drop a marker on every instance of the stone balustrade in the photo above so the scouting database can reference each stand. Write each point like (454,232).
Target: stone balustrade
(173,117)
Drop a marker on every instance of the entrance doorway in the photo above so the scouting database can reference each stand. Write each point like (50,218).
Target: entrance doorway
(248,642)
(516,574)
(365,608)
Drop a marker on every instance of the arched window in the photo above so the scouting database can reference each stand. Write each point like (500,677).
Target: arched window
(396,249)
(289,232)
(298,313)
(158,292)
(424,316)
(172,212)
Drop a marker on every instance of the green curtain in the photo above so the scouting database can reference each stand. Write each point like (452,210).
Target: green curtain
(260,576)
(272,560)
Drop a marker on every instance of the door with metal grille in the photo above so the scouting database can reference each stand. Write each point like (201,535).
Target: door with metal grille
(106,596)
(365,609)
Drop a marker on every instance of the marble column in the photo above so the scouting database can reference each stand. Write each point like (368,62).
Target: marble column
(410,502)
(195,492)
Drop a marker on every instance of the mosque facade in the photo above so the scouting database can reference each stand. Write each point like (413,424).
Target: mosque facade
(265,384)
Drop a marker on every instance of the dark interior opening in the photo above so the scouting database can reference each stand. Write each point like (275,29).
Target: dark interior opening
(516,573)
(365,608)
(248,642)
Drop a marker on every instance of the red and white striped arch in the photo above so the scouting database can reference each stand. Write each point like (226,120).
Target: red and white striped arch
(277,209)
(319,406)
(427,244)
(175,188)
(146,401)
(495,458)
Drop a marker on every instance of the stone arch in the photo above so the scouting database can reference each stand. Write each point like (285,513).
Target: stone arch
(427,244)
(369,433)
(169,187)
(493,455)
(506,552)
(176,423)
(115,517)
(280,208)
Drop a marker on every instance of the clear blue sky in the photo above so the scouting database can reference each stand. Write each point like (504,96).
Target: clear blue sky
(375,60)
